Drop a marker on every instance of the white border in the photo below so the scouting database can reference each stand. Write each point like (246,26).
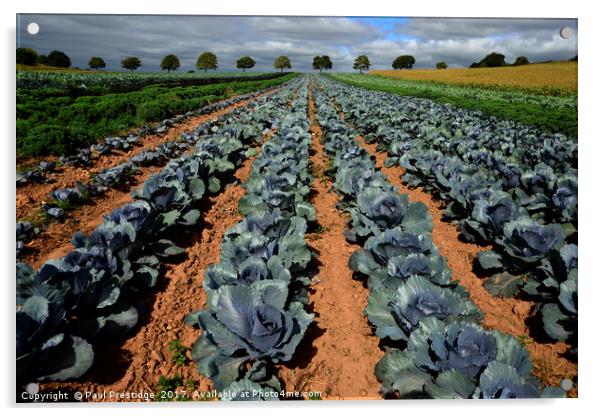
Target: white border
(589,174)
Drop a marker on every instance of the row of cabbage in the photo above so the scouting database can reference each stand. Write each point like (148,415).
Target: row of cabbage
(256,313)
(562,100)
(85,157)
(505,185)
(122,81)
(436,346)
(121,176)
(93,294)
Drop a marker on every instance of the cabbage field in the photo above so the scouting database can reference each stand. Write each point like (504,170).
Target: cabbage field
(297,237)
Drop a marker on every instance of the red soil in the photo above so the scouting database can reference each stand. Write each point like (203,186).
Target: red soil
(506,315)
(30,196)
(340,362)
(54,241)
(339,353)
(144,357)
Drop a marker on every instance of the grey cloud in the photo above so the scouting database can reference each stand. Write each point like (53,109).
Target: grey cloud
(323,29)
(448,28)
(461,53)
(151,37)
(460,42)
(457,41)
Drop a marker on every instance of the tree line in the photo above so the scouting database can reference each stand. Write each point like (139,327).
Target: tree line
(208,61)
(495,59)
(205,61)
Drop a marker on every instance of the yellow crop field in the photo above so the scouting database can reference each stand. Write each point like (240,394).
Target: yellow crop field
(538,77)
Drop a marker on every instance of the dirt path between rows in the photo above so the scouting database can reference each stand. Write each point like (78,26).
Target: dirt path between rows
(341,360)
(144,358)
(30,196)
(55,240)
(506,315)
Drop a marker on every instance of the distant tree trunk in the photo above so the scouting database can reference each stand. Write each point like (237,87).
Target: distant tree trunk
(282,69)
(320,70)
(205,69)
(243,70)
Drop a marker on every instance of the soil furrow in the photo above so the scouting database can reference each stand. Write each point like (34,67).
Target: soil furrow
(340,362)
(144,358)
(54,241)
(30,196)
(506,315)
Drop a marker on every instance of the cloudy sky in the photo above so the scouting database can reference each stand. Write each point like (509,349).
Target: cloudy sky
(456,41)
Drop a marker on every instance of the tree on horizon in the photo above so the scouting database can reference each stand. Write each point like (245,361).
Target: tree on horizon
(245,62)
(362,63)
(322,62)
(207,60)
(131,63)
(96,62)
(404,61)
(170,62)
(282,62)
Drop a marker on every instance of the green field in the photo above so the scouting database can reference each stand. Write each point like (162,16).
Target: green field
(59,120)
(549,113)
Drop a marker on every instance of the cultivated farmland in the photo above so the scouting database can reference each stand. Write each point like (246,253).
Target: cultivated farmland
(549,113)
(554,78)
(57,113)
(296,237)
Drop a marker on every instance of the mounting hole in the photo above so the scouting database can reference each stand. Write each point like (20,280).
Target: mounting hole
(566,384)
(32,388)
(566,32)
(33,28)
